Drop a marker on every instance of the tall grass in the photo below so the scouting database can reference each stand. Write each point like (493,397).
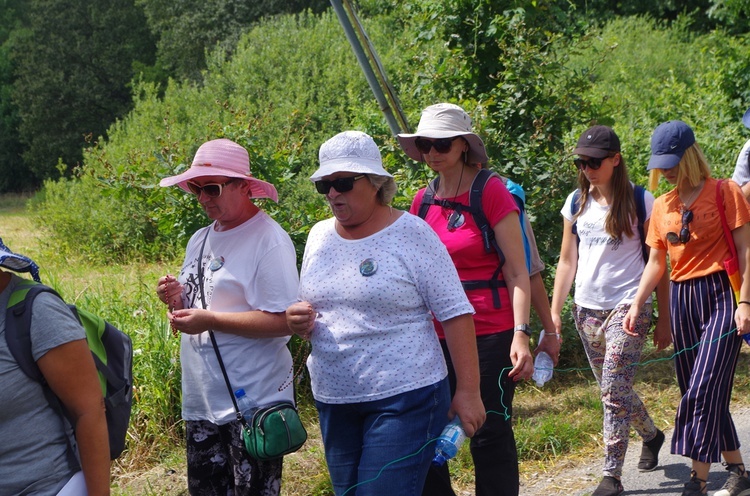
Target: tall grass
(553,425)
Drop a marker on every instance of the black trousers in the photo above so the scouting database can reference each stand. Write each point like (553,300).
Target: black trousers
(493,447)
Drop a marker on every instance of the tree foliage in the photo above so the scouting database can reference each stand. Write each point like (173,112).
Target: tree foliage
(73,67)
(188,29)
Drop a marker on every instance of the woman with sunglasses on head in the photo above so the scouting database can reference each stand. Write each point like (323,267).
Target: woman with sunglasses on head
(370,282)
(602,251)
(238,278)
(706,321)
(499,292)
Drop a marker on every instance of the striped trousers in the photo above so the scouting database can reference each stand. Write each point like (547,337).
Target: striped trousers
(707,349)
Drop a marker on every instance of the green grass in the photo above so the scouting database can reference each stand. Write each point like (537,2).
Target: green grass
(553,425)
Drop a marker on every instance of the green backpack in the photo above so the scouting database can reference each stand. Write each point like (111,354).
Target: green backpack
(111,348)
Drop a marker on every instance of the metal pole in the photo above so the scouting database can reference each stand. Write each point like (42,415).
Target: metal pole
(374,60)
(372,79)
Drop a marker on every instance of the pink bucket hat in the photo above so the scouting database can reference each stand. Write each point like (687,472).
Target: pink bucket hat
(222,157)
(444,120)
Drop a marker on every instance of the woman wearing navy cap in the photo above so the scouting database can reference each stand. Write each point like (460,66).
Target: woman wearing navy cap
(705,320)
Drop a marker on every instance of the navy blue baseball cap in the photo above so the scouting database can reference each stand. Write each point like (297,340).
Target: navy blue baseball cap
(746,118)
(668,144)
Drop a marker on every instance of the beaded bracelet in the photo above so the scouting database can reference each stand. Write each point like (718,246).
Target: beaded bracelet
(744,301)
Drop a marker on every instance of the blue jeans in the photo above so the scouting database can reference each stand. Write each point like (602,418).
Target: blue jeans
(384,447)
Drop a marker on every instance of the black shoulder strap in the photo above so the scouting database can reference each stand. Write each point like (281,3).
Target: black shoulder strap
(639,194)
(18,326)
(574,208)
(428,197)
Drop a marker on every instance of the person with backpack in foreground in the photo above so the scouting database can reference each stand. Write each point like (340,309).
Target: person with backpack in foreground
(228,304)
(371,278)
(689,223)
(603,251)
(38,454)
(491,264)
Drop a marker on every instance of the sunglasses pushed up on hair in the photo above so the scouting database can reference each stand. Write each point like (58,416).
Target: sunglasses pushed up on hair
(212,190)
(342,184)
(442,145)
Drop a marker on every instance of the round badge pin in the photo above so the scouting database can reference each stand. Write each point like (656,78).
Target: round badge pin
(368,267)
(216,264)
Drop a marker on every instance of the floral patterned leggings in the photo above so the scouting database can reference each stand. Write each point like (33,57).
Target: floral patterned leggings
(219,465)
(613,356)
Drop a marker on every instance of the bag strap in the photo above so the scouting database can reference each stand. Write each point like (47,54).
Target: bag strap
(723,216)
(211,332)
(639,195)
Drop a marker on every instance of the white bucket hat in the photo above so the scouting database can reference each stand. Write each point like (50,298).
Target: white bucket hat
(223,157)
(444,120)
(349,151)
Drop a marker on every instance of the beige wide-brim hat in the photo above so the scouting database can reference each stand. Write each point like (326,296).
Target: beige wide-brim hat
(349,151)
(223,157)
(444,120)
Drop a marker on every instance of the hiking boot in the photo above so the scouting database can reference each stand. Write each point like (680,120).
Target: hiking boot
(650,453)
(609,486)
(696,486)
(737,484)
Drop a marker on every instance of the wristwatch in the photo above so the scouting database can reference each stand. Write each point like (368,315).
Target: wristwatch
(524,328)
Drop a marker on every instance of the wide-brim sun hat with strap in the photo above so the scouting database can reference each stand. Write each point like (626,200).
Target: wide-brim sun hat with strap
(350,151)
(223,157)
(17,263)
(444,120)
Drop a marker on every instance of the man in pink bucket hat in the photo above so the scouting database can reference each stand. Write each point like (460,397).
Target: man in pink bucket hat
(228,304)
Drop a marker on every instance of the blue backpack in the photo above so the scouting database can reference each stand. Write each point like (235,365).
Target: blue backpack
(111,348)
(639,194)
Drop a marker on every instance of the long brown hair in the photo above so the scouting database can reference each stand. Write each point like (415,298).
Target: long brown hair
(622,212)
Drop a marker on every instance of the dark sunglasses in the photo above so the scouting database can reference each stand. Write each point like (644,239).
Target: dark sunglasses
(684,236)
(592,163)
(342,184)
(212,190)
(442,145)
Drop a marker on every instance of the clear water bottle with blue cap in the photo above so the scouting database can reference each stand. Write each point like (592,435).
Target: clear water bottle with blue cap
(246,405)
(449,442)
(543,366)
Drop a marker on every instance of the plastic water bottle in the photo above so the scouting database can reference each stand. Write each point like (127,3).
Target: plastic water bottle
(245,404)
(543,366)
(450,440)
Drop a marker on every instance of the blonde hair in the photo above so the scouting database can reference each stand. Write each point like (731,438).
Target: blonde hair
(622,211)
(386,187)
(693,168)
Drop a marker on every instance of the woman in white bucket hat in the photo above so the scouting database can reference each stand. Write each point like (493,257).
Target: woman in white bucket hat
(238,277)
(370,280)
(445,141)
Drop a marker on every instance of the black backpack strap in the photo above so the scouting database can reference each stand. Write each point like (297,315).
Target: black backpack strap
(428,197)
(639,195)
(488,236)
(18,326)
(575,208)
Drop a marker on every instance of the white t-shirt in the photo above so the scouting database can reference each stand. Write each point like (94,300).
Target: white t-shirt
(741,173)
(250,267)
(373,336)
(609,270)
